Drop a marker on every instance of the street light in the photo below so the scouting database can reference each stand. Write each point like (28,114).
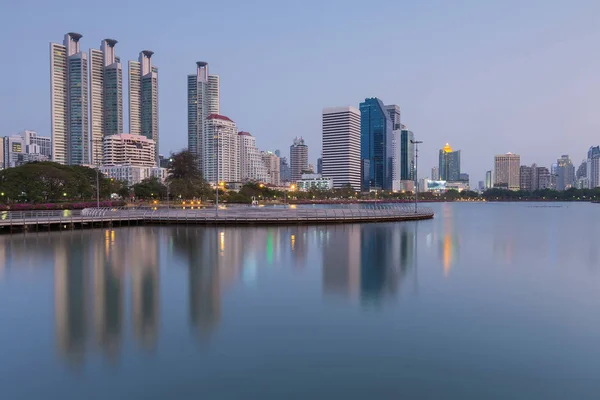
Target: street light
(416,143)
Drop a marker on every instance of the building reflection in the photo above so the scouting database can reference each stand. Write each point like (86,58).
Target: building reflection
(448,243)
(367,261)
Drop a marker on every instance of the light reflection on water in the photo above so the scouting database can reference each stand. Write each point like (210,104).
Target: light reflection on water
(485,300)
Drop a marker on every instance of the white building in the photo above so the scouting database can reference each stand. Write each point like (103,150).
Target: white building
(133,174)
(143,98)
(203,100)
(272,163)
(252,167)
(106,97)
(127,149)
(69,101)
(507,171)
(221,144)
(341,146)
(314,181)
(36,144)
(23,148)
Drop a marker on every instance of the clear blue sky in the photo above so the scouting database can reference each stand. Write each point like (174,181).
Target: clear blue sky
(487,77)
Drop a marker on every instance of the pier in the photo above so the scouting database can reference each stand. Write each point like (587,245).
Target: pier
(11,222)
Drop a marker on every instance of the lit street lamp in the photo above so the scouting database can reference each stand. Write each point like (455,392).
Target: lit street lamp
(416,143)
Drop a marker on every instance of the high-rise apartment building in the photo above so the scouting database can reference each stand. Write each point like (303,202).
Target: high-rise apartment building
(376,142)
(488,180)
(271,162)
(526,178)
(394,113)
(69,101)
(407,155)
(341,146)
(143,98)
(506,171)
(127,149)
(203,100)
(593,167)
(252,167)
(449,164)
(106,97)
(298,158)
(542,178)
(222,159)
(284,169)
(565,173)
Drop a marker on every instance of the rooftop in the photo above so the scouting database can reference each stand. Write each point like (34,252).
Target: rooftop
(242,133)
(217,116)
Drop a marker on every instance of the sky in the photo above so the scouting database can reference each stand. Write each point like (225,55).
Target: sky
(488,77)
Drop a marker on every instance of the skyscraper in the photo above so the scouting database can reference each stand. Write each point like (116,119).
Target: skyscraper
(222,159)
(407,155)
(203,100)
(449,164)
(526,178)
(298,159)
(69,101)
(488,180)
(341,146)
(252,167)
(593,167)
(506,171)
(143,98)
(106,97)
(565,178)
(394,113)
(284,169)
(376,136)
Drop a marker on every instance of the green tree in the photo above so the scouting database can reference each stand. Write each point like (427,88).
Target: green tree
(185,179)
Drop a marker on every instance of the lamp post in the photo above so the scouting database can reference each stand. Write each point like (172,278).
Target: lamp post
(416,143)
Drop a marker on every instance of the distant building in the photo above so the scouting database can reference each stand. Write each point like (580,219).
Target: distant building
(252,167)
(272,164)
(314,181)
(394,113)
(25,147)
(376,136)
(133,174)
(435,174)
(543,178)
(222,160)
(581,180)
(341,146)
(565,174)
(593,167)
(320,165)
(298,158)
(407,156)
(526,178)
(164,162)
(488,180)
(449,164)
(481,186)
(506,171)
(127,149)
(464,177)
(284,170)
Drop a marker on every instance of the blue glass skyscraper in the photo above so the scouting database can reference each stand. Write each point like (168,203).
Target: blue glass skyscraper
(375,145)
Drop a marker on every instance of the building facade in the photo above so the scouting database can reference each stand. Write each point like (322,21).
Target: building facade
(143,98)
(24,148)
(507,168)
(407,155)
(314,181)
(284,169)
(252,167)
(565,173)
(449,164)
(203,96)
(106,97)
(435,174)
(222,161)
(298,158)
(593,167)
(272,163)
(526,178)
(341,146)
(69,101)
(127,149)
(376,136)
(488,180)
(394,113)
(133,174)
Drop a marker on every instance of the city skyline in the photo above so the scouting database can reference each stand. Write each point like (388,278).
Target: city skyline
(486,73)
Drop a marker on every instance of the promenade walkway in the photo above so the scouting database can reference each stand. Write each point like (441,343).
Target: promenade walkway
(100,217)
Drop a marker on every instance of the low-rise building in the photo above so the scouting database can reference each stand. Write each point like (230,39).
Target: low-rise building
(133,174)
(25,147)
(314,181)
(128,149)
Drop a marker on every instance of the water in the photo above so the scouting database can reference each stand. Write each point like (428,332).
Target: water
(485,301)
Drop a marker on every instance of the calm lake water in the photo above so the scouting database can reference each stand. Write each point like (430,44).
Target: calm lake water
(485,301)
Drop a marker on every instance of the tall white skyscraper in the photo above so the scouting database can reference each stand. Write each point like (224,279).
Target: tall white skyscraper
(106,97)
(203,100)
(143,98)
(341,146)
(69,101)
(252,167)
(222,158)
(394,112)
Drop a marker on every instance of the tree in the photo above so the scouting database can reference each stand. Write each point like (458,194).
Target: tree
(150,188)
(185,179)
